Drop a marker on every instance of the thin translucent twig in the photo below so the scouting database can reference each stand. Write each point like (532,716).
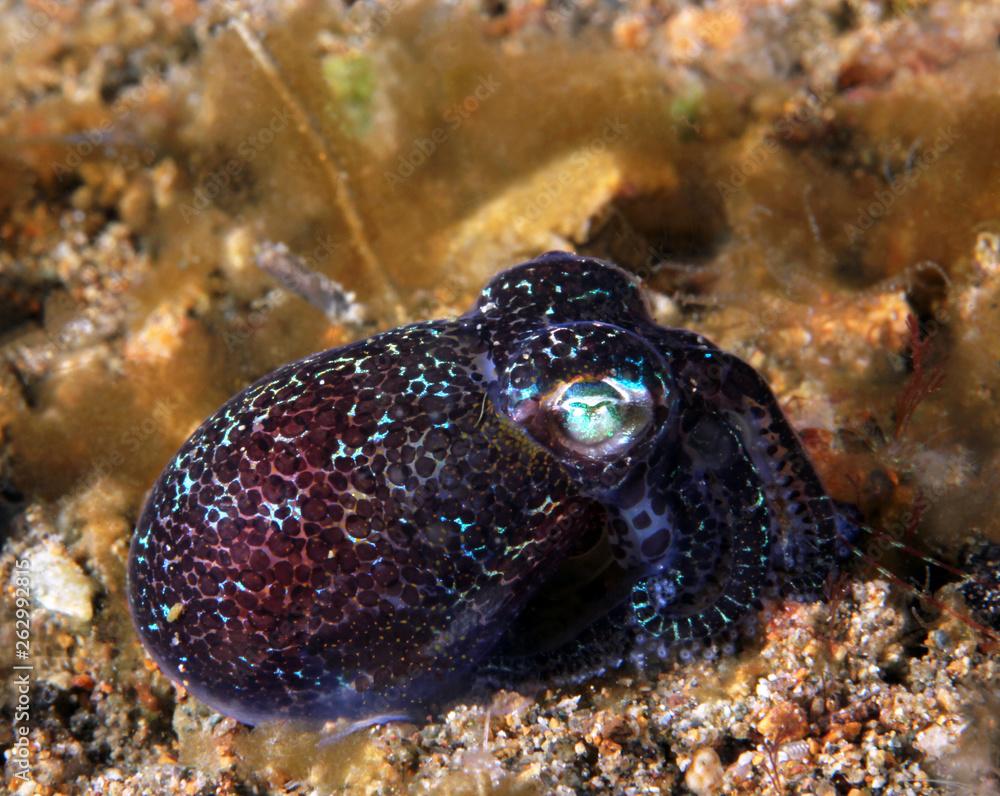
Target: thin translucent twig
(330,297)
(335,174)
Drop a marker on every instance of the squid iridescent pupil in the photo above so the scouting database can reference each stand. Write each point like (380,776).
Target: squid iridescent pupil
(591,412)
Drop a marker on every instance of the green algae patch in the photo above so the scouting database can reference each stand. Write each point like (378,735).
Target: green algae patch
(351,78)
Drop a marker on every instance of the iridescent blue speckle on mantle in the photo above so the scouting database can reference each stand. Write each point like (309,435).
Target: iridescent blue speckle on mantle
(550,477)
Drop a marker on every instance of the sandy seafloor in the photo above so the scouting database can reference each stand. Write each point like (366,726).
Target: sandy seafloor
(802,181)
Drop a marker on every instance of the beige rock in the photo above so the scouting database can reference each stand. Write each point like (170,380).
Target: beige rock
(59,584)
(704,775)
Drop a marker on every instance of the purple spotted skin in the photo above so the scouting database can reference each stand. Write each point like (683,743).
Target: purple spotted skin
(550,477)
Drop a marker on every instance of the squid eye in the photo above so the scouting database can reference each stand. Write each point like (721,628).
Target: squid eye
(599,418)
(591,412)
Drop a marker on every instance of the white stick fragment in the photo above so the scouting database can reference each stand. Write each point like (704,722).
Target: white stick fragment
(330,164)
(331,298)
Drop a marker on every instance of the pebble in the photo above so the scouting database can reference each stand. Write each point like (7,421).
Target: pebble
(59,584)
(936,742)
(704,775)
